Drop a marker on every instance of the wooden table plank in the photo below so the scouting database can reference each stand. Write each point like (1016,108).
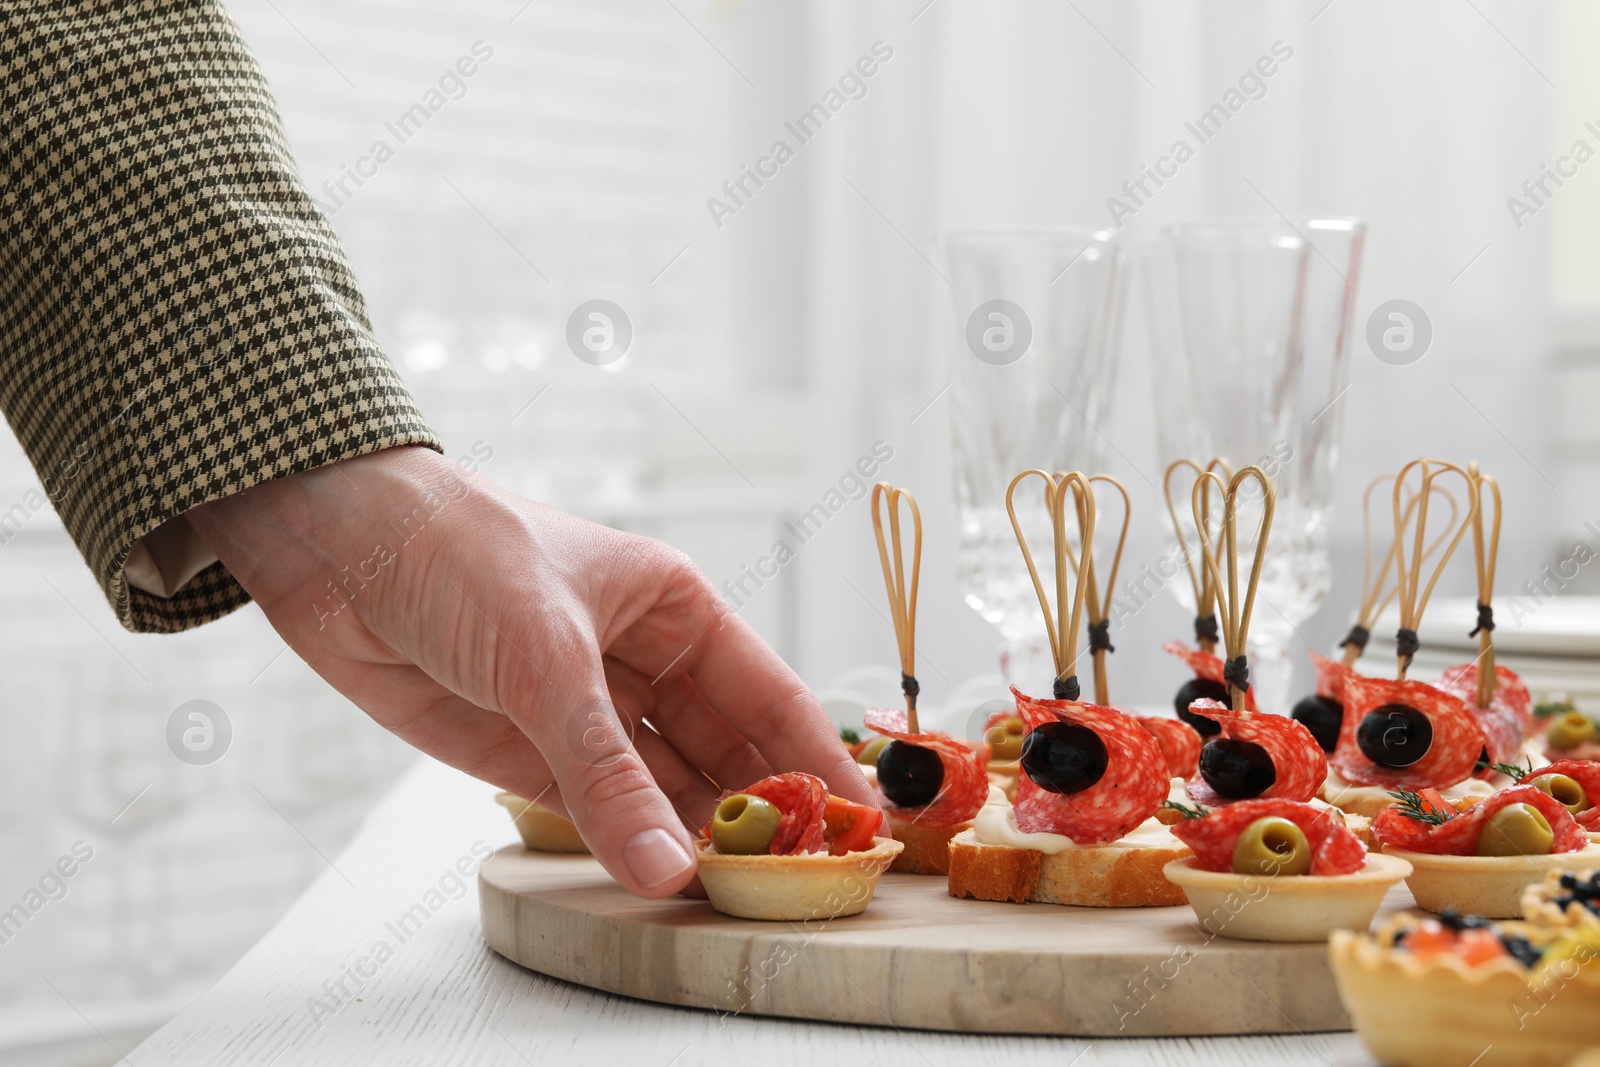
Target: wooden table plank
(440,997)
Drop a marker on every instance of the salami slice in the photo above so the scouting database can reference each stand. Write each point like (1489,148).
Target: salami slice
(1300,765)
(1458,741)
(1458,835)
(965,786)
(801,798)
(1178,741)
(1507,720)
(1206,666)
(1330,676)
(1131,790)
(1334,848)
(1587,774)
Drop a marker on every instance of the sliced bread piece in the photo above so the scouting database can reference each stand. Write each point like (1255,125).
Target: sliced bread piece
(1105,877)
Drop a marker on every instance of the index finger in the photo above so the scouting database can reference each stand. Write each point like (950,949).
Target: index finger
(754,690)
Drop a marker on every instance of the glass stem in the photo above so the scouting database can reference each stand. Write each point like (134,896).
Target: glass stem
(1272,676)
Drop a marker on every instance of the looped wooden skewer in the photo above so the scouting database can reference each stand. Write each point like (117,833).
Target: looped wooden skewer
(1487,552)
(1062,624)
(1205,612)
(1413,596)
(1098,608)
(1374,599)
(902,599)
(1236,610)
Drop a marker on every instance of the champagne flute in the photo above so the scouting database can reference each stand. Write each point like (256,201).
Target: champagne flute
(1033,325)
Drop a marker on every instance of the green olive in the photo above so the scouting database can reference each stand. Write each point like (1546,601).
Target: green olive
(1516,830)
(1004,739)
(872,750)
(1571,730)
(1568,793)
(1272,846)
(744,825)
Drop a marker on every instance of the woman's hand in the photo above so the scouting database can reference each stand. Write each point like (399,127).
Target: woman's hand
(596,672)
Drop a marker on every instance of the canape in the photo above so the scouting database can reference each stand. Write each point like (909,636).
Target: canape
(1083,830)
(784,849)
(1464,990)
(1279,870)
(1480,860)
(932,785)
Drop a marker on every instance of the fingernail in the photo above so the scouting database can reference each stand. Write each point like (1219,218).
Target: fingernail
(653,857)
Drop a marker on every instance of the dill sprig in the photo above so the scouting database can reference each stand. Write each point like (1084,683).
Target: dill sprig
(849,736)
(1510,770)
(1412,806)
(1196,812)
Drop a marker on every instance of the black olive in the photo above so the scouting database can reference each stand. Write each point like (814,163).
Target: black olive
(1064,757)
(1395,735)
(1237,769)
(1322,716)
(909,775)
(1198,689)
(1521,949)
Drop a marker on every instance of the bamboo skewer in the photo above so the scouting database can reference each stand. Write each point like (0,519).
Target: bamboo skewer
(1236,611)
(1061,625)
(902,607)
(1098,608)
(1408,577)
(1374,601)
(1205,590)
(1487,554)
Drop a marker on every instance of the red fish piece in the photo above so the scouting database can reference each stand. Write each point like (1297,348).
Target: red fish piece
(1334,848)
(1458,740)
(1131,790)
(1458,836)
(1178,741)
(1508,719)
(1298,759)
(965,786)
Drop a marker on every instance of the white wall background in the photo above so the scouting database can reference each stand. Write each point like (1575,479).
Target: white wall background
(772,352)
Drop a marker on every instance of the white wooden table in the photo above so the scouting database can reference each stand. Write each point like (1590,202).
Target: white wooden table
(443,998)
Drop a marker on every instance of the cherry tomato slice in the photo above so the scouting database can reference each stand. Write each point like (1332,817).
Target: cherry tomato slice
(849,827)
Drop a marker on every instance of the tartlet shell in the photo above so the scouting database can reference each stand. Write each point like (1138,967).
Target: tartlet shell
(1440,1012)
(1293,908)
(541,830)
(1491,886)
(1539,908)
(794,888)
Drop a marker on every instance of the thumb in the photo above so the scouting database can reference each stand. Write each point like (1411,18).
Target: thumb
(626,820)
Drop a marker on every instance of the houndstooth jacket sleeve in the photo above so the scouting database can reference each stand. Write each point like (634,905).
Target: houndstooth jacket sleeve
(177,320)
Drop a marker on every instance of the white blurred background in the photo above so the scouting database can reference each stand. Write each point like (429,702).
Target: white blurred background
(774,350)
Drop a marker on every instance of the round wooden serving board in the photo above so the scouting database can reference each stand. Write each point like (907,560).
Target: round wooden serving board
(917,958)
